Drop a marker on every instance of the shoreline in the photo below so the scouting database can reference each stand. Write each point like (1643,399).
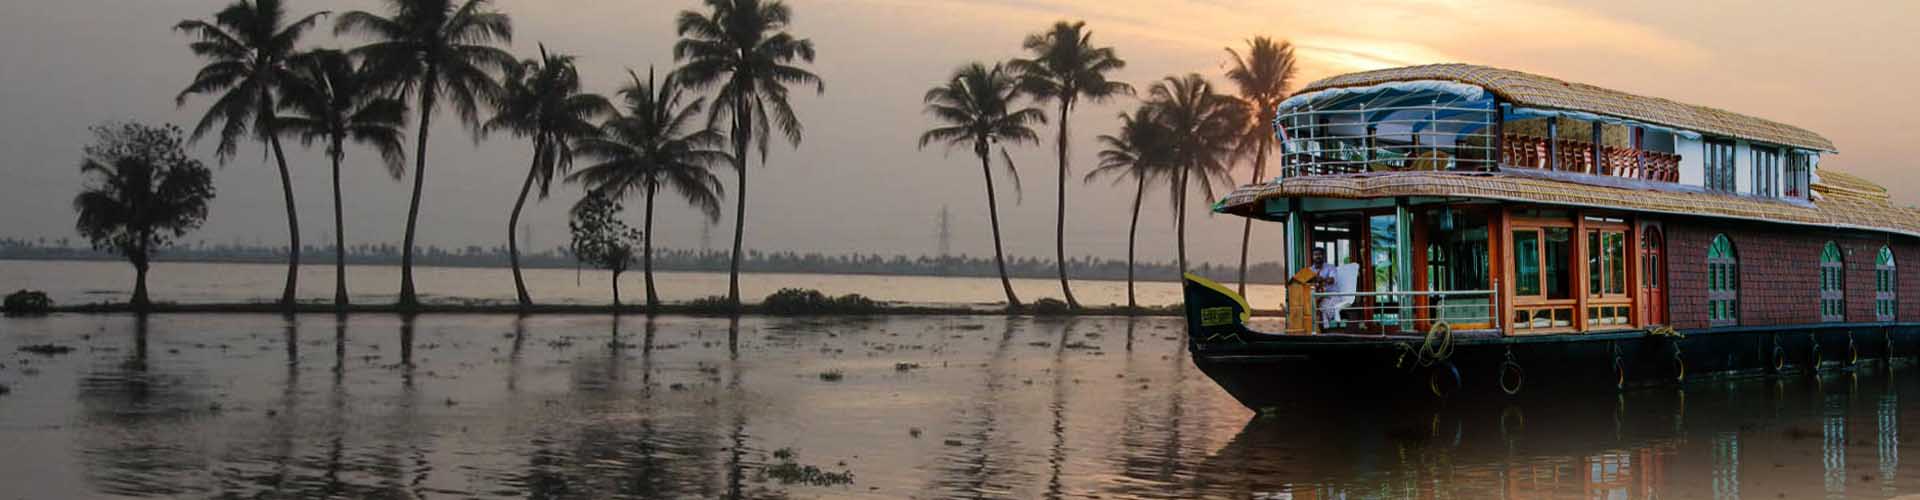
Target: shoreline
(607,309)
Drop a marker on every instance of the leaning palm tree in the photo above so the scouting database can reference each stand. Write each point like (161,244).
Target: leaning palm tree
(247,45)
(333,102)
(433,49)
(542,100)
(1262,76)
(1066,67)
(1140,152)
(656,145)
(1202,125)
(742,46)
(978,107)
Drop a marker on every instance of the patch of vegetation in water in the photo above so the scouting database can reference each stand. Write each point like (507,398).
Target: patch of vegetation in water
(46,349)
(797,301)
(788,470)
(27,303)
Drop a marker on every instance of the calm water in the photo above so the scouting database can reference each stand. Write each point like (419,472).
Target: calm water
(960,407)
(70,282)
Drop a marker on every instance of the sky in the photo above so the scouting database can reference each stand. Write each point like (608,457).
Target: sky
(858,183)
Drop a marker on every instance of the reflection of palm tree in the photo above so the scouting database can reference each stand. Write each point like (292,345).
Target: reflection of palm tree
(1262,75)
(976,108)
(333,102)
(656,145)
(1202,124)
(248,44)
(742,46)
(1066,67)
(542,99)
(1057,457)
(983,465)
(1141,152)
(437,49)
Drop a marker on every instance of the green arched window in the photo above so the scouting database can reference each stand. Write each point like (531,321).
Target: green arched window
(1833,294)
(1886,304)
(1723,283)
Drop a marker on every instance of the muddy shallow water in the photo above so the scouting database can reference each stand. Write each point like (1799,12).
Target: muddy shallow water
(920,407)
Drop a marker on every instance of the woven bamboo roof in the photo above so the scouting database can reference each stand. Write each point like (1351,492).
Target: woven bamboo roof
(1842,200)
(1537,91)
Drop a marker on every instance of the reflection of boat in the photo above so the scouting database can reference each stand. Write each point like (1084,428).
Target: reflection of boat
(1512,232)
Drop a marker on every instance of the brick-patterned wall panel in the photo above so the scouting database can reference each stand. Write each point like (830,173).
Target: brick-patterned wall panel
(1906,259)
(1860,254)
(1687,274)
(1779,275)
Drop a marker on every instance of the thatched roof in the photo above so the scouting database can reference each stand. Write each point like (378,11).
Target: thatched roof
(1842,200)
(1537,91)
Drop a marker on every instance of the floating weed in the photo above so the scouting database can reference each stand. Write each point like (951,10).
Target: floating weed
(902,367)
(789,471)
(834,375)
(46,349)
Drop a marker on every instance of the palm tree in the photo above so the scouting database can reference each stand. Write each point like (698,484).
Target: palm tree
(146,191)
(976,108)
(1065,68)
(655,146)
(1140,152)
(435,49)
(1202,126)
(742,46)
(1262,76)
(542,100)
(247,45)
(333,102)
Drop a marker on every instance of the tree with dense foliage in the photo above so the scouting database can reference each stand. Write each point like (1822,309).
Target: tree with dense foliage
(600,239)
(742,47)
(660,143)
(332,102)
(1202,125)
(1262,75)
(143,192)
(1067,67)
(977,107)
(432,49)
(542,100)
(247,46)
(1141,152)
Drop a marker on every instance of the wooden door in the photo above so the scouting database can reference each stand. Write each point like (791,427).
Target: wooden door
(1653,275)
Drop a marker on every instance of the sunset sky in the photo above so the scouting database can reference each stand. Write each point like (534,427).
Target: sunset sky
(858,184)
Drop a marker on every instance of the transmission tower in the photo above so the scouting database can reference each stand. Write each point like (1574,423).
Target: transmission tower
(946,233)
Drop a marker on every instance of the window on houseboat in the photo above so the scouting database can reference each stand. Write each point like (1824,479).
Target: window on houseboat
(1558,251)
(1885,302)
(1719,165)
(1723,283)
(1526,262)
(1606,262)
(1799,174)
(1833,298)
(1766,172)
(1385,250)
(1457,260)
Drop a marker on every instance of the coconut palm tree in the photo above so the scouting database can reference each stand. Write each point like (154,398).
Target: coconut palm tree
(246,46)
(432,49)
(333,102)
(542,100)
(1202,125)
(742,46)
(977,107)
(1065,68)
(656,145)
(1140,152)
(145,191)
(1262,76)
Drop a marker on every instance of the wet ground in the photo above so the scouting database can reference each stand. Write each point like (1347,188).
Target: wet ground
(951,407)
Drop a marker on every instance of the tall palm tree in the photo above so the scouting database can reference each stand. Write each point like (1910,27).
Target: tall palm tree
(978,107)
(542,100)
(247,45)
(1202,125)
(742,46)
(656,145)
(1140,152)
(1262,76)
(1065,68)
(332,102)
(433,49)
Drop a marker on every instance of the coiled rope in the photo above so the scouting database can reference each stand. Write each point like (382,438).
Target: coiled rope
(1437,347)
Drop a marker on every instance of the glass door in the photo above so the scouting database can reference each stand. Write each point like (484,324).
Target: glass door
(1608,303)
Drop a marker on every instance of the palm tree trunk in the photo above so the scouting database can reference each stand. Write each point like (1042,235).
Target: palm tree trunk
(1133,229)
(646,255)
(1246,227)
(993,215)
(1060,221)
(339,238)
(742,135)
(513,244)
(408,299)
(293,220)
(1180,220)
(616,292)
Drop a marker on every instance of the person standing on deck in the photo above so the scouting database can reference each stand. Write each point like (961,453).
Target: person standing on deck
(1323,274)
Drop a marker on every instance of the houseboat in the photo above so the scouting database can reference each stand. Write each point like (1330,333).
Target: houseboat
(1466,230)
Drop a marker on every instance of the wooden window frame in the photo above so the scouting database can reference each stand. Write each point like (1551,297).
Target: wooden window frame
(1886,276)
(1720,176)
(1723,283)
(1766,170)
(1833,283)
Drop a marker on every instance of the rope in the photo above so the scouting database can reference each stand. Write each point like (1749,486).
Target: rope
(1437,347)
(1665,331)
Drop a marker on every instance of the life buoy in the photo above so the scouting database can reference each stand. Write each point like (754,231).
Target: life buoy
(1619,372)
(1679,367)
(1443,380)
(1511,370)
(1779,358)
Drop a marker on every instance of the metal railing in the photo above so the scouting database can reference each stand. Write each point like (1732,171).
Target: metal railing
(1407,311)
(1387,138)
